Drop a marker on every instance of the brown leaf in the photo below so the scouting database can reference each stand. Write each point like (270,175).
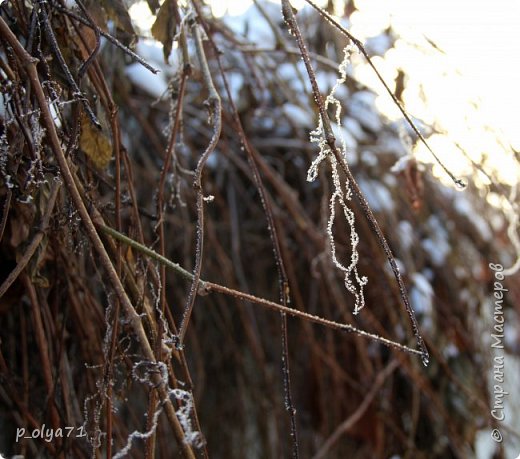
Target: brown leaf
(95,144)
(164,27)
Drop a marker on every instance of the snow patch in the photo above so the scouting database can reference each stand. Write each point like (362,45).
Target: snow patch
(344,134)
(298,115)
(155,85)
(235,82)
(464,207)
(406,235)
(377,195)
(378,45)
(437,245)
(354,128)
(253,26)
(369,158)
(421,295)
(362,108)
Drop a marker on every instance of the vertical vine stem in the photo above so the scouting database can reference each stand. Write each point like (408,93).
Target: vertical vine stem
(214,105)
(134,319)
(284,291)
(294,29)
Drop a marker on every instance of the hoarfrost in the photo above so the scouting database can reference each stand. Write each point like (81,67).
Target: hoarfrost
(354,283)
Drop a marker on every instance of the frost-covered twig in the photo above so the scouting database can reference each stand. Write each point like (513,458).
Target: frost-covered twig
(29,63)
(330,139)
(207,287)
(283,282)
(215,112)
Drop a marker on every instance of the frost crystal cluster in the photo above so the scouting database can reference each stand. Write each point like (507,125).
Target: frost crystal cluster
(341,194)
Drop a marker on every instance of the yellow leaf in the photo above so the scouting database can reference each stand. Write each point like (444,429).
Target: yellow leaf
(95,144)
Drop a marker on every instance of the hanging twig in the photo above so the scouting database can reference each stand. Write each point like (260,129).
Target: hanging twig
(76,92)
(460,183)
(83,68)
(271,226)
(110,38)
(215,113)
(331,142)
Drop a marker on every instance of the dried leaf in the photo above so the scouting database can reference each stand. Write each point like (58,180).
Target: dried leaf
(164,27)
(95,144)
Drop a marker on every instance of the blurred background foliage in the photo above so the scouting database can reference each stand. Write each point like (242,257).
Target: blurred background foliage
(63,360)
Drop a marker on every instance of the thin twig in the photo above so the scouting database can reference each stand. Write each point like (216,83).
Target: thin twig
(206,287)
(84,67)
(283,283)
(76,92)
(460,183)
(6,207)
(215,113)
(168,158)
(110,38)
(331,142)
(133,317)
(348,423)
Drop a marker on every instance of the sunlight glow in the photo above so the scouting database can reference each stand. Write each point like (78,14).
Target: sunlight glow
(142,16)
(460,60)
(468,92)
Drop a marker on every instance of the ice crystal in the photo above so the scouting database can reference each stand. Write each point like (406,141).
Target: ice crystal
(341,194)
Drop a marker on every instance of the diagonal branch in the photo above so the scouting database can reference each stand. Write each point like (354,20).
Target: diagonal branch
(294,29)
(348,423)
(206,287)
(460,183)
